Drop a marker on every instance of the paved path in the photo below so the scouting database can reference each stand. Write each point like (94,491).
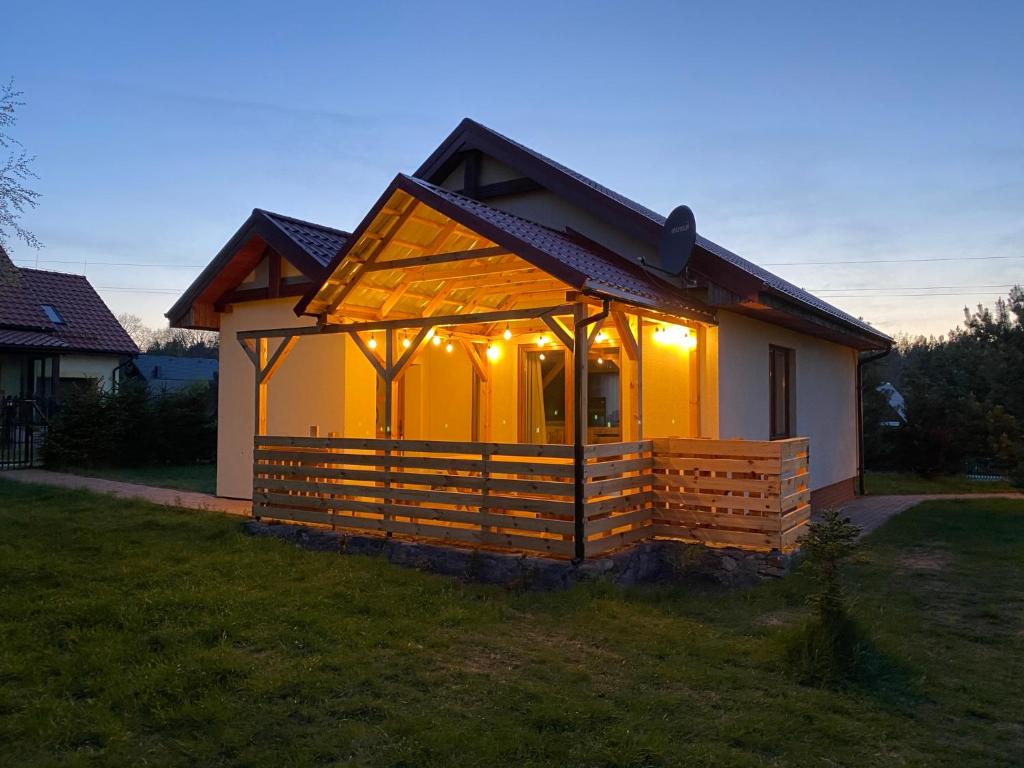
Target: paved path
(168,497)
(869,512)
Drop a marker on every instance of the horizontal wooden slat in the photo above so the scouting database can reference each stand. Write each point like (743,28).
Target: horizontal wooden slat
(419,462)
(413,446)
(603,450)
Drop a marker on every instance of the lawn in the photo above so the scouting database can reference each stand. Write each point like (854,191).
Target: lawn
(193,477)
(131,635)
(885,483)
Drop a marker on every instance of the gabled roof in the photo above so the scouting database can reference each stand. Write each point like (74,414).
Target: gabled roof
(88,325)
(307,246)
(583,266)
(625,214)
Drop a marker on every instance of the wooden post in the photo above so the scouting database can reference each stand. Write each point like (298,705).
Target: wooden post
(260,427)
(579,426)
(389,362)
(639,377)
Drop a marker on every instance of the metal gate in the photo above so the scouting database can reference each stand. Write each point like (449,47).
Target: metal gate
(23,425)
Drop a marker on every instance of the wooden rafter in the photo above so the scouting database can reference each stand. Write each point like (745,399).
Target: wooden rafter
(407,355)
(625,333)
(437,258)
(596,329)
(360,267)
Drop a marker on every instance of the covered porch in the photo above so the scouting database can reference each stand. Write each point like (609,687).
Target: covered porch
(508,386)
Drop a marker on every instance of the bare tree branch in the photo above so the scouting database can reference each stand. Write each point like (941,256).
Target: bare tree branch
(15,172)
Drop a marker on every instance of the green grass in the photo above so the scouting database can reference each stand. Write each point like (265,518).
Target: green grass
(887,483)
(132,635)
(193,477)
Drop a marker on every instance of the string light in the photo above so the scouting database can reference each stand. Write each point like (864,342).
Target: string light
(405,340)
(508,332)
(493,353)
(449,346)
(601,336)
(435,339)
(542,340)
(542,356)
(372,343)
(600,361)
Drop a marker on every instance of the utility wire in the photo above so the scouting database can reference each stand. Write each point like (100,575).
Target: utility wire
(883,261)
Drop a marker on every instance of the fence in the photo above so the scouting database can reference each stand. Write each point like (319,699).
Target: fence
(520,497)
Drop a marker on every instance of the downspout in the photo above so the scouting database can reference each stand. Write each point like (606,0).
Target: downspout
(861,362)
(580,350)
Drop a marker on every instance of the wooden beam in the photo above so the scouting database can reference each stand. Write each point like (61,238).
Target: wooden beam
(249,347)
(438,258)
(260,426)
(397,293)
(274,274)
(277,358)
(594,331)
(374,360)
(474,358)
(412,322)
(559,331)
(625,333)
(359,268)
(417,340)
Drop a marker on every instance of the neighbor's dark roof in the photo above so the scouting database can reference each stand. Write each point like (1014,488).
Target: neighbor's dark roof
(88,324)
(172,373)
(639,220)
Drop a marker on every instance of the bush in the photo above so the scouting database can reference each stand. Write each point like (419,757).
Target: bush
(830,649)
(130,427)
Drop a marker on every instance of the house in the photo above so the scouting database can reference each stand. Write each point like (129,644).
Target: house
(497,356)
(54,328)
(170,373)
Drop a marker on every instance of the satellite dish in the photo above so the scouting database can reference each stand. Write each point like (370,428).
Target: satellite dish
(677,239)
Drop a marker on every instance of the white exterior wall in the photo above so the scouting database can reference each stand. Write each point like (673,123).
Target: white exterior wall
(825,393)
(100,367)
(306,390)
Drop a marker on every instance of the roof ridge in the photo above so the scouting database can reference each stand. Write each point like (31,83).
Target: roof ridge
(304,222)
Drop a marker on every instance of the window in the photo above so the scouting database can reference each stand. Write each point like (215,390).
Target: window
(544,396)
(53,314)
(780,387)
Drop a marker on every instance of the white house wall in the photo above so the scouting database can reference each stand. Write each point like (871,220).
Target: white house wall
(825,392)
(306,390)
(99,367)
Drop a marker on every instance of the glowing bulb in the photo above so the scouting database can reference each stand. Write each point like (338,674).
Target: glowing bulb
(405,341)
(542,340)
(541,355)
(600,361)
(372,344)
(508,333)
(449,346)
(601,336)
(436,341)
(690,341)
(493,353)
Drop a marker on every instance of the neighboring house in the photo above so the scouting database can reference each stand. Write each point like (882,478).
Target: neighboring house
(54,328)
(495,356)
(896,402)
(168,373)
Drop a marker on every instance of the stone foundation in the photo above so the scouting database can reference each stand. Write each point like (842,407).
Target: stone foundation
(648,562)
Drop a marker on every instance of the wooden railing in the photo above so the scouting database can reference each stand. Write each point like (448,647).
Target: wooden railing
(752,494)
(519,497)
(497,495)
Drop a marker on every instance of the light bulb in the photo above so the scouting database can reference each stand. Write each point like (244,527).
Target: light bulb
(542,340)
(601,336)
(436,341)
(600,361)
(541,355)
(449,346)
(405,341)
(508,332)
(493,353)
(372,343)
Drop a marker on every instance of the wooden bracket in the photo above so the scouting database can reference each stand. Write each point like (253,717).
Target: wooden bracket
(625,333)
(369,354)
(474,358)
(277,358)
(414,345)
(559,330)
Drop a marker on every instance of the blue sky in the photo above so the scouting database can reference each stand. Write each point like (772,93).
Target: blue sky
(798,133)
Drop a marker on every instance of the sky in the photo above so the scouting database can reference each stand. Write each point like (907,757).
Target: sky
(872,153)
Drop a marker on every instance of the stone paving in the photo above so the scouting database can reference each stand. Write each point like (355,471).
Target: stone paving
(168,497)
(870,512)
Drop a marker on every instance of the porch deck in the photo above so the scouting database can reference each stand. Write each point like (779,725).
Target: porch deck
(522,497)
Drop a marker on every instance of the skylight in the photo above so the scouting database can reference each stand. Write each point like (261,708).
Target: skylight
(53,314)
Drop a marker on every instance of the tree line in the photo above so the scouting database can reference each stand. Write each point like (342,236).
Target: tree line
(964,396)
